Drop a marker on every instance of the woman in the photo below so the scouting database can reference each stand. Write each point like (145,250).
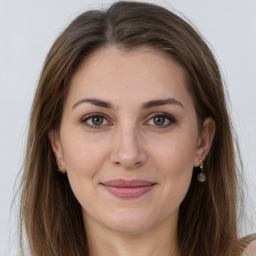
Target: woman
(130,149)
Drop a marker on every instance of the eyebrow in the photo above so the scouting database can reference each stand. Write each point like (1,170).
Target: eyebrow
(161,102)
(149,104)
(93,101)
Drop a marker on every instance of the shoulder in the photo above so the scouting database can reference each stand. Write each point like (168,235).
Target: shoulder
(250,248)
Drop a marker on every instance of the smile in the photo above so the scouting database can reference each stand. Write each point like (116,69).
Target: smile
(128,188)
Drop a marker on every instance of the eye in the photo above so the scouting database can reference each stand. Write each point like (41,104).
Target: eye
(95,120)
(161,120)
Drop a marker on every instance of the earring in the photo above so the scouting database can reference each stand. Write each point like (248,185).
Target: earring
(59,169)
(201,176)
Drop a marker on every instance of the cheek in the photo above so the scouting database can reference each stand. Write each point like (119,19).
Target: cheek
(174,161)
(175,154)
(84,158)
(83,155)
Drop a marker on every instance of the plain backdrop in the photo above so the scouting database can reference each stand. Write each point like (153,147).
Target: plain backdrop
(27,30)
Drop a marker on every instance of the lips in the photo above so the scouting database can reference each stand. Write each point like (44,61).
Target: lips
(128,188)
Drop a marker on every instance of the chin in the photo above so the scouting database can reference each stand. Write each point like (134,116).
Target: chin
(129,227)
(131,222)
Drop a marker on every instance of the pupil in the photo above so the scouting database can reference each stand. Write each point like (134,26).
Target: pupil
(97,120)
(159,120)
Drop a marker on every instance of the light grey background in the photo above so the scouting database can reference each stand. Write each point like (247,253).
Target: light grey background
(27,30)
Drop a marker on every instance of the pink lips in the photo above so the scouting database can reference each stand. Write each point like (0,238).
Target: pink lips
(128,188)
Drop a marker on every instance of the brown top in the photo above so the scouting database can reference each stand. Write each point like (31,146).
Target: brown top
(243,242)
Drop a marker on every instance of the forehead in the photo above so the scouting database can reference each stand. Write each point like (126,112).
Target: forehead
(141,73)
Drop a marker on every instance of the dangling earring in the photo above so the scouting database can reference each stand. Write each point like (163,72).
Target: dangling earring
(201,176)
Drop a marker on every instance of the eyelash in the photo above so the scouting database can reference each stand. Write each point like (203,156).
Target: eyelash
(170,119)
(86,118)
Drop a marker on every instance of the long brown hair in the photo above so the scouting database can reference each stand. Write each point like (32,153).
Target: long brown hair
(50,215)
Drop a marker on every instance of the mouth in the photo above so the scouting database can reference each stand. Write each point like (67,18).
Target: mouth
(128,188)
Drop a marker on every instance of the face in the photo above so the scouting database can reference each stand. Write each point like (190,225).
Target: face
(129,139)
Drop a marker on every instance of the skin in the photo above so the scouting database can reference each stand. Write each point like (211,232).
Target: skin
(132,141)
(250,249)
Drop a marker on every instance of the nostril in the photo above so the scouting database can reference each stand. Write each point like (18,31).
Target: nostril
(128,163)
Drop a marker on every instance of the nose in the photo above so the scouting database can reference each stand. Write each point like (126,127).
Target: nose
(128,150)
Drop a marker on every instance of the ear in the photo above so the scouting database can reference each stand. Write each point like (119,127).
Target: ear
(204,141)
(57,149)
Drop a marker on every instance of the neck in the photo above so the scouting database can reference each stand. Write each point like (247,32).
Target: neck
(161,240)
